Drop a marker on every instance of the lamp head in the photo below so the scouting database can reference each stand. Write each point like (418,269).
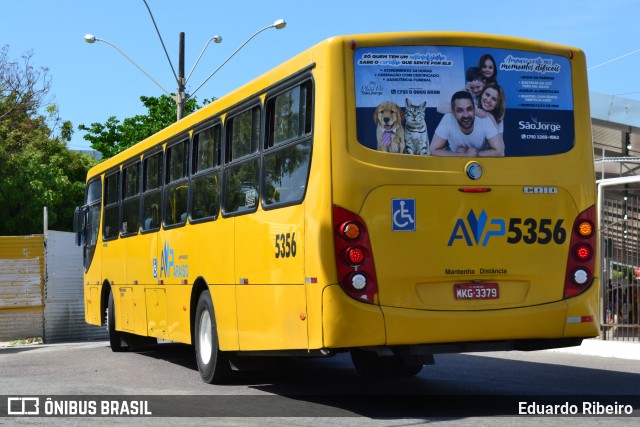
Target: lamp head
(217,39)
(279,24)
(90,38)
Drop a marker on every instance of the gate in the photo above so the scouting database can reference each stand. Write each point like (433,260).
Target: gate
(64,293)
(620,255)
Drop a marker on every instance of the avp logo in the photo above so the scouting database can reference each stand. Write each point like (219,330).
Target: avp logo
(166,260)
(477,230)
(170,264)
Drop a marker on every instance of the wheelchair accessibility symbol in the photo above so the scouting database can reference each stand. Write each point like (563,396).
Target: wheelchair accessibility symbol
(403,214)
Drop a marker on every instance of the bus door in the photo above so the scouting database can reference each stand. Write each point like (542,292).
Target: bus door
(87,228)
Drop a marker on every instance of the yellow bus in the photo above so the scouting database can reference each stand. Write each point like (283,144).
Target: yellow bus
(365,196)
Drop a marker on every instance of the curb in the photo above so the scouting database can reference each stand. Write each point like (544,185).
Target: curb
(604,348)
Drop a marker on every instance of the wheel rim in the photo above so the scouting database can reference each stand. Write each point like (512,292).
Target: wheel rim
(205,338)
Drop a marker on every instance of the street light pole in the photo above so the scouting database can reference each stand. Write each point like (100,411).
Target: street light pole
(91,39)
(278,25)
(182,97)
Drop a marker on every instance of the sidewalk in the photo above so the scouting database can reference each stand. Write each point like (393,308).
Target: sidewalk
(601,348)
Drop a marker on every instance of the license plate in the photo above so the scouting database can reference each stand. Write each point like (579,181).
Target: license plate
(475,291)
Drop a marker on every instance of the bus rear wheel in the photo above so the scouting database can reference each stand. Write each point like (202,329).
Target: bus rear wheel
(213,364)
(115,337)
(370,365)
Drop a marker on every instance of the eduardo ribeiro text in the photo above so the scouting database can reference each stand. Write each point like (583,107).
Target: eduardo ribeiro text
(588,408)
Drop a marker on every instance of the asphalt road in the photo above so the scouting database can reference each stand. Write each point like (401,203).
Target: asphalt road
(459,388)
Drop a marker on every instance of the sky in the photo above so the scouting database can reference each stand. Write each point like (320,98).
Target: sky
(91,82)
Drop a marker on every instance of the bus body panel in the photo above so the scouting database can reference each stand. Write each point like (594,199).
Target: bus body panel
(463,238)
(92,305)
(400,326)
(226,315)
(417,326)
(270,282)
(213,242)
(349,323)
(142,264)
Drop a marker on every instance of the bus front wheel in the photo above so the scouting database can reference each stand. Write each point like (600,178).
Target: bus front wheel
(370,365)
(213,364)
(115,337)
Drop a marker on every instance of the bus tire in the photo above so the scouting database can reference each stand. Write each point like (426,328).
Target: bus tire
(115,337)
(368,364)
(213,364)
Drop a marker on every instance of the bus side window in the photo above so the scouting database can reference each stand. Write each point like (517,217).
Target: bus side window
(288,146)
(151,187)
(242,175)
(111,219)
(130,199)
(177,186)
(205,172)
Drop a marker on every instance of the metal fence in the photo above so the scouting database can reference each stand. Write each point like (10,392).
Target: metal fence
(620,255)
(64,293)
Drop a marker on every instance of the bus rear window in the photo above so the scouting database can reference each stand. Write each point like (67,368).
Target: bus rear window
(463,101)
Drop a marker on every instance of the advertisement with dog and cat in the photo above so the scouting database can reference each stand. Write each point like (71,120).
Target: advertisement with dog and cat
(463,101)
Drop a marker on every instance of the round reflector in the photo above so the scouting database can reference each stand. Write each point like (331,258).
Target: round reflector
(358,281)
(580,276)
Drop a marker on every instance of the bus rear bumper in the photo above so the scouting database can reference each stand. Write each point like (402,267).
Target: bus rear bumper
(349,323)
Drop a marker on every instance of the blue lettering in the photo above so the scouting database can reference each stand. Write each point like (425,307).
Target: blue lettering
(500,232)
(181,270)
(460,226)
(477,226)
(166,260)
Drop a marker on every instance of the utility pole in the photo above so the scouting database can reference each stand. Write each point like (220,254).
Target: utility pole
(181,96)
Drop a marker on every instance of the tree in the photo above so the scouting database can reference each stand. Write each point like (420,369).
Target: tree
(112,137)
(37,167)
(23,89)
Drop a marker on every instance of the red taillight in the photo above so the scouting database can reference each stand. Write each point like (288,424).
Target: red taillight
(583,252)
(581,262)
(474,190)
(355,256)
(354,262)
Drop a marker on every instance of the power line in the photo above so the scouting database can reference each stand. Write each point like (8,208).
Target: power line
(614,59)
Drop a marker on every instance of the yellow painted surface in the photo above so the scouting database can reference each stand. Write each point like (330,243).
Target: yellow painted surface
(156,304)
(21,286)
(92,305)
(21,272)
(442,212)
(224,304)
(125,314)
(349,323)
